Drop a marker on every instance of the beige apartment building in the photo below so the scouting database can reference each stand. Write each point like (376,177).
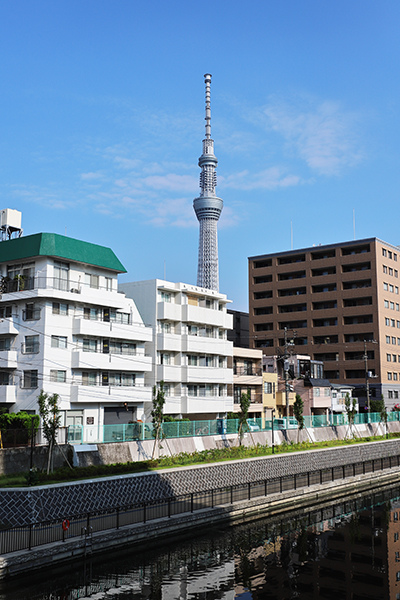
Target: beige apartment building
(339,303)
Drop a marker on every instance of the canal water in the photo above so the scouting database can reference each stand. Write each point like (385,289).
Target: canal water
(350,549)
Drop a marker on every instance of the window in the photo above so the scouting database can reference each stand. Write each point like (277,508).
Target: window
(389,376)
(90,345)
(5,312)
(58,376)
(165,297)
(327,392)
(385,269)
(393,323)
(316,391)
(92,280)
(118,379)
(58,341)
(388,357)
(387,321)
(394,358)
(108,284)
(5,344)
(390,288)
(118,317)
(395,256)
(397,556)
(390,395)
(60,271)
(59,308)
(192,360)
(390,271)
(386,303)
(396,289)
(389,254)
(117,347)
(395,516)
(31,344)
(396,273)
(30,379)
(396,394)
(165,327)
(193,330)
(388,339)
(396,537)
(394,340)
(165,358)
(91,313)
(391,305)
(385,286)
(394,376)
(89,378)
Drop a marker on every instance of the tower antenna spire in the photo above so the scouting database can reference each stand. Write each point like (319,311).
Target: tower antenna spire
(208,206)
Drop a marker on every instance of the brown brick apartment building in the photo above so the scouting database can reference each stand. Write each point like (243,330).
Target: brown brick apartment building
(334,298)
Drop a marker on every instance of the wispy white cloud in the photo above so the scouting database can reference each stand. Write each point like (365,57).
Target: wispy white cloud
(268,179)
(91,176)
(323,134)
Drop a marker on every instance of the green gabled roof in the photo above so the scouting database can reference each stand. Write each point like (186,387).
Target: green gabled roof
(59,246)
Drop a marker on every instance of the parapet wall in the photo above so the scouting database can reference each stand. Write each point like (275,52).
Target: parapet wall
(25,506)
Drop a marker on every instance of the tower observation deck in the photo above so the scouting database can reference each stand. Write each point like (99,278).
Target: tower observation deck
(208,207)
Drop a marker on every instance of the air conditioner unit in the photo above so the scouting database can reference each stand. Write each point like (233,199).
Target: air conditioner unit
(75,291)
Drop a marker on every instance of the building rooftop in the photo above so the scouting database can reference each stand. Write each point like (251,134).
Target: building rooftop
(60,246)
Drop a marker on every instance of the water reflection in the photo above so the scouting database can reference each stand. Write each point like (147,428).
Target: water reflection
(347,550)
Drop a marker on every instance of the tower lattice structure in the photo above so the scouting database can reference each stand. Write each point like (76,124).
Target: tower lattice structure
(208,207)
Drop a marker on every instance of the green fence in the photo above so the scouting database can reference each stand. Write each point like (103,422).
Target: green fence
(181,429)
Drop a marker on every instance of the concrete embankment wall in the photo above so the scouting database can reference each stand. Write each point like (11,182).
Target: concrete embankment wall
(25,506)
(98,454)
(17,460)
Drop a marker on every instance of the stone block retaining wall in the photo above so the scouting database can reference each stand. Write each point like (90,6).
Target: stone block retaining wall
(24,506)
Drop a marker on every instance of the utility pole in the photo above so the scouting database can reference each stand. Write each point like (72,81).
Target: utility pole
(367,374)
(287,345)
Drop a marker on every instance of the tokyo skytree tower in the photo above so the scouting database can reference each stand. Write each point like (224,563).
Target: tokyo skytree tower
(208,207)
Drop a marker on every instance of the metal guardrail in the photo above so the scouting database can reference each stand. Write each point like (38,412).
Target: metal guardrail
(74,526)
(180,429)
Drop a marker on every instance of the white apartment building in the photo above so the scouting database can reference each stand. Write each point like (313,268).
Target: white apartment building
(190,349)
(65,328)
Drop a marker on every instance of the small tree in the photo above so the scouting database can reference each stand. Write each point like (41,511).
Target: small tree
(51,420)
(298,409)
(157,414)
(351,411)
(245,400)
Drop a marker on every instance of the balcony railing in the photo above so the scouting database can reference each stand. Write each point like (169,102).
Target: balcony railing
(247,371)
(18,284)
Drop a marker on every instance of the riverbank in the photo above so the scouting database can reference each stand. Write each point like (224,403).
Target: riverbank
(180,526)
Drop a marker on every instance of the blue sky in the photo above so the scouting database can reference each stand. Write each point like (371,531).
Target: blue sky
(102,117)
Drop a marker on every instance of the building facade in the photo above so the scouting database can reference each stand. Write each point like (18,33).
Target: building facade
(190,350)
(247,378)
(64,328)
(341,304)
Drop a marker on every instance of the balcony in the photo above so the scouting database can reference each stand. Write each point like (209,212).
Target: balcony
(8,393)
(169,341)
(8,359)
(211,345)
(97,328)
(168,311)
(207,375)
(210,404)
(110,362)
(208,316)
(107,394)
(8,326)
(169,373)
